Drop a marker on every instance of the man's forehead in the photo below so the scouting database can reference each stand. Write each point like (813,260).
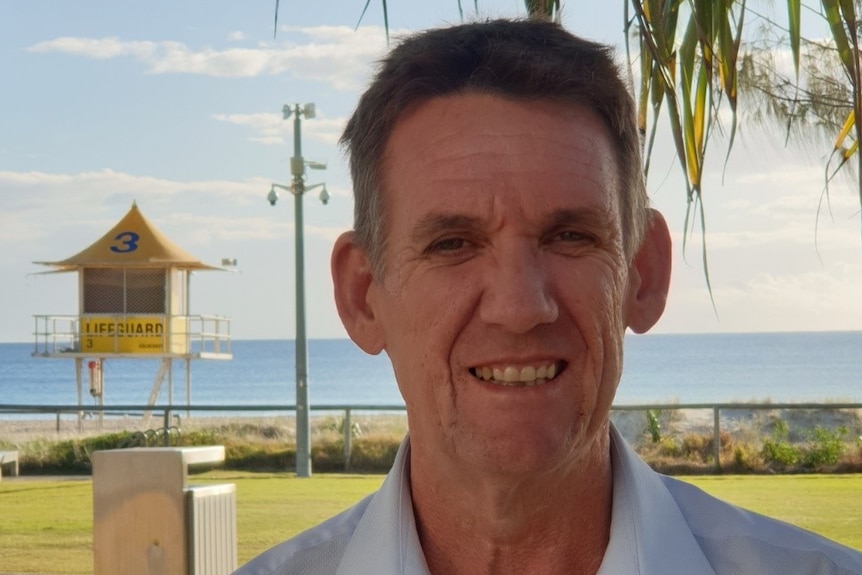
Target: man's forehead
(432,118)
(532,102)
(474,140)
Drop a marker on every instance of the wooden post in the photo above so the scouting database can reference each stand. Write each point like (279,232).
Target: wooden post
(348,437)
(716,436)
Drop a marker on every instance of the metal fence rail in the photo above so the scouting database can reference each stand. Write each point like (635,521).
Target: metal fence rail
(170,411)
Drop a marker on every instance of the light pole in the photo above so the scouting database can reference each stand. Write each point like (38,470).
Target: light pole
(298,188)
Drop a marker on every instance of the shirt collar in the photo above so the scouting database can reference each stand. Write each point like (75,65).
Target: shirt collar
(385,539)
(649,534)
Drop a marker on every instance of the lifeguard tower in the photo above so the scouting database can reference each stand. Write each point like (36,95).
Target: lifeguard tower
(133,303)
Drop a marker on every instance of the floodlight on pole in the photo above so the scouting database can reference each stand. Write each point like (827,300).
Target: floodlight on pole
(298,188)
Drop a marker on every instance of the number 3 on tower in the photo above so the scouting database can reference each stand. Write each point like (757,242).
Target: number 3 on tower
(128,242)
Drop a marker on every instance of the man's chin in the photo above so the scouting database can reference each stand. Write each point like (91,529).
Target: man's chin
(520,454)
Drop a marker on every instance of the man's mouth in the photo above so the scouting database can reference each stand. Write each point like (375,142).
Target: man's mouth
(523,376)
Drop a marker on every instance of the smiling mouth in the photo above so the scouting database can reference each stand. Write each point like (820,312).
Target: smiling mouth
(511,376)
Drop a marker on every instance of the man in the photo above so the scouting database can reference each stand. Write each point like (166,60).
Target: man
(503,245)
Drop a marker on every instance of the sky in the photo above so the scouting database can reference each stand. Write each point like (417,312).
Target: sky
(177,106)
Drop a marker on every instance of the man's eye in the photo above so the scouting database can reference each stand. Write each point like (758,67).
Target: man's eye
(572,236)
(447,245)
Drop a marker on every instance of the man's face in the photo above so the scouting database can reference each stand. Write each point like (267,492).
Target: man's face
(502,302)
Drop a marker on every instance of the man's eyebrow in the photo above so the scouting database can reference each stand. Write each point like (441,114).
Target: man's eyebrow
(593,216)
(433,224)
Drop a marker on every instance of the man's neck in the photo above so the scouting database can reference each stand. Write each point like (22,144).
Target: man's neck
(544,523)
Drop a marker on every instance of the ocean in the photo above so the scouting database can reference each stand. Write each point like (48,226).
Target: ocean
(707,368)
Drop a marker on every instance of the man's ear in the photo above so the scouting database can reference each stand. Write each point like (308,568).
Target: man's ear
(649,276)
(352,279)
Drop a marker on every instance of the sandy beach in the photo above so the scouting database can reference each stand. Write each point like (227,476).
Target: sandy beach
(21,431)
(747,424)
(742,424)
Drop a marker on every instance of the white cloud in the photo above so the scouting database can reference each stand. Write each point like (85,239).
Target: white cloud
(271,129)
(235,36)
(206,230)
(266,128)
(99,48)
(812,300)
(326,130)
(32,202)
(772,198)
(78,189)
(335,55)
(177,58)
(840,240)
(816,298)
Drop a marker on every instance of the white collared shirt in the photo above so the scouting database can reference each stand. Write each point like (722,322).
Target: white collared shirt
(659,526)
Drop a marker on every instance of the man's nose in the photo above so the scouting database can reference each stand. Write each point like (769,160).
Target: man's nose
(516,293)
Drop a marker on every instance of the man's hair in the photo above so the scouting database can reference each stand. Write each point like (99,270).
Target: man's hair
(516,59)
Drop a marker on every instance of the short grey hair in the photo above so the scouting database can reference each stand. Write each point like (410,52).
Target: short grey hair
(518,59)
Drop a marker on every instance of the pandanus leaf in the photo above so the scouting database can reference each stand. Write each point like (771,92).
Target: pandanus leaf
(794,25)
(832,11)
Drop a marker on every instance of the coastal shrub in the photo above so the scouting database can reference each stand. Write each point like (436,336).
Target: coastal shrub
(374,454)
(777,450)
(697,447)
(726,444)
(669,447)
(102,442)
(779,453)
(60,458)
(700,447)
(367,455)
(695,444)
(70,456)
(825,447)
(201,437)
(249,430)
(745,459)
(271,448)
(855,456)
(247,456)
(335,426)
(328,455)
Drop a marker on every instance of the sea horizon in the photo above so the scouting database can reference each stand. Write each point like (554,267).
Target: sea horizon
(777,367)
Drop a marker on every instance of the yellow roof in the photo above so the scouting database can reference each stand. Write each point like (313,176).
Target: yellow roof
(133,242)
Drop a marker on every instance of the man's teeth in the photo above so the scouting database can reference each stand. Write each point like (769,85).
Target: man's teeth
(527,376)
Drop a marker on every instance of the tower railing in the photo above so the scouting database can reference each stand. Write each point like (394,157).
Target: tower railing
(94,335)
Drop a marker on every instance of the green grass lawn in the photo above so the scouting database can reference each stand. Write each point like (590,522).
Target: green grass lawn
(827,504)
(46,525)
